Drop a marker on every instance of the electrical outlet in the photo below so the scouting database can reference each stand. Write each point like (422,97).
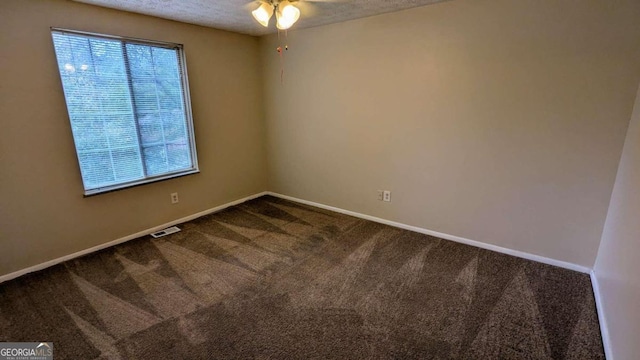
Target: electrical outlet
(380,195)
(386,196)
(174,198)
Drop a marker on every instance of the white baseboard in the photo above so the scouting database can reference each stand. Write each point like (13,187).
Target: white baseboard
(50,263)
(520,254)
(462,240)
(604,330)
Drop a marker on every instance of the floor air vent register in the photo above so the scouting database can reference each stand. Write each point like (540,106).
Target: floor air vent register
(165,232)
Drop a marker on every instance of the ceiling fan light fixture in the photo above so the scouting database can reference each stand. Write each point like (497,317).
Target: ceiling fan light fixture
(263,13)
(286,15)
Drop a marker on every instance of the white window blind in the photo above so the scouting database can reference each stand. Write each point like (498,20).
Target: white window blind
(129,108)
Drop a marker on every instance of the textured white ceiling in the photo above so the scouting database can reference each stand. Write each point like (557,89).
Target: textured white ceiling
(235,15)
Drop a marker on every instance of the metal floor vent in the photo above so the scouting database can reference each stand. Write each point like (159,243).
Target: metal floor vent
(165,232)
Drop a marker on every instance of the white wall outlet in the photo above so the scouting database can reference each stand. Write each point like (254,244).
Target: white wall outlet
(174,198)
(386,195)
(380,195)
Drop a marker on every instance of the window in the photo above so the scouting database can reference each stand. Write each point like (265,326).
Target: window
(129,108)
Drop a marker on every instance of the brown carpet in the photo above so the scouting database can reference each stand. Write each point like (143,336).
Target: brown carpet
(274,279)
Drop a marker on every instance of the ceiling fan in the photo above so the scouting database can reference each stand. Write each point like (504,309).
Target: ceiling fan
(286,12)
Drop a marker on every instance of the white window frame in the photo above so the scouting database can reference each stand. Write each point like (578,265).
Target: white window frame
(186,103)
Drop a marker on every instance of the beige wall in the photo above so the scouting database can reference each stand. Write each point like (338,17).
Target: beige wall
(43,214)
(500,121)
(617,267)
(495,120)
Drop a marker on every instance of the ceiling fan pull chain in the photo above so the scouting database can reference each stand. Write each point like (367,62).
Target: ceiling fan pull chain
(286,40)
(281,66)
(279,49)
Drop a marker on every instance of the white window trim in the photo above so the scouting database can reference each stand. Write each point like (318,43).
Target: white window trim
(187,108)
